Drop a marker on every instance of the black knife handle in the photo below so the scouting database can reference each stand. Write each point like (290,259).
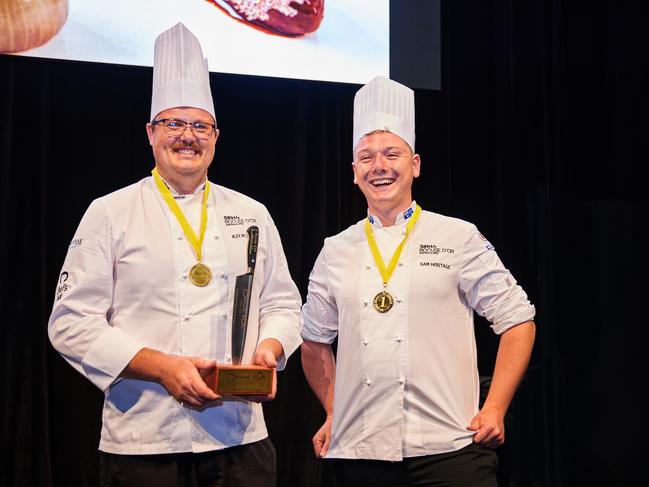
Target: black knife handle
(253,242)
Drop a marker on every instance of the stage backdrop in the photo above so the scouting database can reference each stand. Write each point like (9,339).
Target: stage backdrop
(539,136)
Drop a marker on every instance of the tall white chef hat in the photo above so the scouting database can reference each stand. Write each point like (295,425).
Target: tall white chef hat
(180,74)
(383,104)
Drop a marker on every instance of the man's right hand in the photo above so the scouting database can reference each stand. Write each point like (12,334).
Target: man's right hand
(183,378)
(322,439)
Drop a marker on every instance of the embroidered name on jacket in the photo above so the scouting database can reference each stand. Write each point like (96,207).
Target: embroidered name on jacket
(441,265)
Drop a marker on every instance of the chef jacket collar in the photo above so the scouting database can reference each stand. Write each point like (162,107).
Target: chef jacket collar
(178,196)
(401,218)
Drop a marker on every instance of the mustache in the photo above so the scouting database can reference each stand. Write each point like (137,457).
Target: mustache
(187,145)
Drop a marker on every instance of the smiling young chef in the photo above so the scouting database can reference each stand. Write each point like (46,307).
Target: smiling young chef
(398,290)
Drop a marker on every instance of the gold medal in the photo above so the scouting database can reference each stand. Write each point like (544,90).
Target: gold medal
(200,275)
(383,302)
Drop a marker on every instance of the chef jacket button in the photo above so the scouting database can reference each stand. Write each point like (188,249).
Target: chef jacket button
(179,237)
(368,382)
(224,276)
(216,237)
(367,268)
(399,300)
(227,358)
(184,276)
(400,264)
(365,342)
(187,317)
(364,303)
(401,381)
(399,339)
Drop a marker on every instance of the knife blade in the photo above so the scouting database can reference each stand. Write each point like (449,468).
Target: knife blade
(242,293)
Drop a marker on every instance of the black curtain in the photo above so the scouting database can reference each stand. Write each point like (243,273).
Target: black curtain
(540,136)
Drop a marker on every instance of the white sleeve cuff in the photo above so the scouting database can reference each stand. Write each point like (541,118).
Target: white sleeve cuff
(518,316)
(284,330)
(108,357)
(318,334)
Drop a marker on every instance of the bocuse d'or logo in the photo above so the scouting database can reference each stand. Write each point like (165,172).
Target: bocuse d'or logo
(231,220)
(431,249)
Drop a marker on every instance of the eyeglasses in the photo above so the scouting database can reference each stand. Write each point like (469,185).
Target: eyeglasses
(175,127)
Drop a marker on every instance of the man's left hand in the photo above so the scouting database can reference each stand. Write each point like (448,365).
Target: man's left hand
(266,355)
(490,426)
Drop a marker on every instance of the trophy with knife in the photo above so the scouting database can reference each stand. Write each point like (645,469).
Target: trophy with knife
(238,379)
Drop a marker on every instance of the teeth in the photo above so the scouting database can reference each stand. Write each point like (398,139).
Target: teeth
(382,182)
(186,151)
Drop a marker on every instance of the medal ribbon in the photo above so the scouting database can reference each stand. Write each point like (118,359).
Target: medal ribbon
(196,242)
(386,272)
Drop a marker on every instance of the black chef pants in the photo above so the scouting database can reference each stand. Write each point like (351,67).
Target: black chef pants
(251,465)
(471,466)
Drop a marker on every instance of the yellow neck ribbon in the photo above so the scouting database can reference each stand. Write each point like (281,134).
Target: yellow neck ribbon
(196,242)
(386,272)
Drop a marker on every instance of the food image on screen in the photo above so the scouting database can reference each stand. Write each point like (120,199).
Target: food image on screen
(25,24)
(284,17)
(326,40)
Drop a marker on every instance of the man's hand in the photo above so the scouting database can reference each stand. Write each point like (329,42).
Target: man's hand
(490,426)
(322,439)
(183,378)
(266,355)
(320,370)
(514,352)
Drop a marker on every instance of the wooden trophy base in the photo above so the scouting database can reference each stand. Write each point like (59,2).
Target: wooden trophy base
(241,380)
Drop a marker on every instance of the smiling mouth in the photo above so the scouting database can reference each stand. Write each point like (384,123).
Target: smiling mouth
(377,183)
(186,151)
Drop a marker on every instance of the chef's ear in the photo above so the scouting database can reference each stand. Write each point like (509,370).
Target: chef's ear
(416,166)
(354,169)
(149,133)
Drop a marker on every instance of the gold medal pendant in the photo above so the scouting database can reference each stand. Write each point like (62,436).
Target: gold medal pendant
(200,275)
(383,302)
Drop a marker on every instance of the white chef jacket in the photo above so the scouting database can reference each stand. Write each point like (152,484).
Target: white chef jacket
(124,286)
(407,380)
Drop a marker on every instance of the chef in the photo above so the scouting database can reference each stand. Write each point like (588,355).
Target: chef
(143,308)
(398,291)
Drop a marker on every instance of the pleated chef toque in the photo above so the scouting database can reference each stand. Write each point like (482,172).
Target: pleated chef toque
(383,104)
(180,74)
